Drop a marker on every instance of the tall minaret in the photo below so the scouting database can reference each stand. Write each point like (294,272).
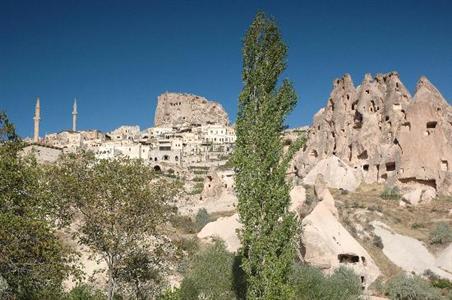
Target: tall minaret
(74,115)
(37,118)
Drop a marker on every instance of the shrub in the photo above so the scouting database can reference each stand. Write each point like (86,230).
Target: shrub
(183,223)
(202,218)
(210,276)
(191,245)
(198,179)
(197,188)
(404,287)
(441,234)
(84,291)
(170,294)
(390,193)
(377,242)
(417,225)
(310,283)
(200,172)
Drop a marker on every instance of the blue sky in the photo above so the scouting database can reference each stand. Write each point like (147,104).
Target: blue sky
(116,57)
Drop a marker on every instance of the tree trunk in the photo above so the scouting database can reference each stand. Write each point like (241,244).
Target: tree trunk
(111,283)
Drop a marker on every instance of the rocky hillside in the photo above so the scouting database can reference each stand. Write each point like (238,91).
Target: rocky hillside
(384,133)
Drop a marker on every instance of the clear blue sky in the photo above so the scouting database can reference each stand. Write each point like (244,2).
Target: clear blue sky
(116,57)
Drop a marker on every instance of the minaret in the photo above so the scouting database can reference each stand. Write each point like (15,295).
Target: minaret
(37,118)
(74,115)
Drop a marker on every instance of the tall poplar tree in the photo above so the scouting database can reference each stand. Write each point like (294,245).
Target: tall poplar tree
(261,165)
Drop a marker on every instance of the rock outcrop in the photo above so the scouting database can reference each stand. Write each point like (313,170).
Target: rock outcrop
(224,228)
(444,259)
(410,254)
(335,173)
(380,130)
(297,199)
(186,109)
(328,245)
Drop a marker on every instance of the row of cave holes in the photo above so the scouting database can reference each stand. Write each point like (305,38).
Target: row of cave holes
(166,158)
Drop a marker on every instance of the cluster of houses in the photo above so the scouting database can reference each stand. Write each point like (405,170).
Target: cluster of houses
(183,146)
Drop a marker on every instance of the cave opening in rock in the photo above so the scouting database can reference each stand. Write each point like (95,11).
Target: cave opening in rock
(363,155)
(313,154)
(348,258)
(406,127)
(444,165)
(413,180)
(431,124)
(358,120)
(390,166)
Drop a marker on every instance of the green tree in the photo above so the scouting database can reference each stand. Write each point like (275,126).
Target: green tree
(140,276)
(33,261)
(261,165)
(201,218)
(310,283)
(210,276)
(121,204)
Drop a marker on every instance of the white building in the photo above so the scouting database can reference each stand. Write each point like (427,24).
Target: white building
(111,150)
(130,133)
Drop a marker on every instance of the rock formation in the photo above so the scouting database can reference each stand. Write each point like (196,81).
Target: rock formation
(224,228)
(335,173)
(410,254)
(328,245)
(380,130)
(179,109)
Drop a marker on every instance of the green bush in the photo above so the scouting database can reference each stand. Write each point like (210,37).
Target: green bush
(390,193)
(442,234)
(377,242)
(198,179)
(170,294)
(310,283)
(183,223)
(404,287)
(197,188)
(84,291)
(190,245)
(202,218)
(442,284)
(211,275)
(200,172)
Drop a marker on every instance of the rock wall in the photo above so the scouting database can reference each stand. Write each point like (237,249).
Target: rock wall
(380,130)
(178,109)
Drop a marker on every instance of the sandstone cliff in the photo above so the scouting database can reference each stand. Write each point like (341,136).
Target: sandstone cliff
(380,130)
(179,109)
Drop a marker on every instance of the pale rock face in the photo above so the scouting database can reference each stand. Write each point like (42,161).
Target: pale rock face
(444,259)
(297,199)
(336,174)
(419,195)
(217,183)
(410,254)
(224,228)
(179,109)
(378,129)
(328,244)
